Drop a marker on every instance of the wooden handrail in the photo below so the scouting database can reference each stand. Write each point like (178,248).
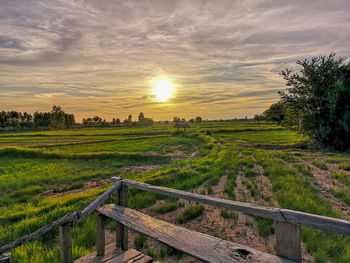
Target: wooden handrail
(74,217)
(35,235)
(324,223)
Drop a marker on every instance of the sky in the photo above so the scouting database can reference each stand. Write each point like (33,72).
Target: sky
(103,57)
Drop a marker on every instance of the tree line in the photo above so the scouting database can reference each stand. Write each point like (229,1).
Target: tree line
(198,119)
(56,119)
(317,99)
(96,121)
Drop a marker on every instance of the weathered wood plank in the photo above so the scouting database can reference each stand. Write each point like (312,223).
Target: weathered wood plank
(257,210)
(100,200)
(6,258)
(198,245)
(117,255)
(100,235)
(66,244)
(288,241)
(110,251)
(33,236)
(122,230)
(324,223)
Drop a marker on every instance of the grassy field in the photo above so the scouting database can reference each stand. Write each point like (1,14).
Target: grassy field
(44,175)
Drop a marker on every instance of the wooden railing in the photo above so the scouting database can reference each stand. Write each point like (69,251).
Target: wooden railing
(287,222)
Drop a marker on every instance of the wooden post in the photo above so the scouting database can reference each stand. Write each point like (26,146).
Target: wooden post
(122,231)
(288,241)
(100,238)
(6,258)
(66,244)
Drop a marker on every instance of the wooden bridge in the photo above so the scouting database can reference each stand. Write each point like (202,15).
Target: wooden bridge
(201,246)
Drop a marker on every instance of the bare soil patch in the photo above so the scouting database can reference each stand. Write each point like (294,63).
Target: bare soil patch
(88,185)
(141,168)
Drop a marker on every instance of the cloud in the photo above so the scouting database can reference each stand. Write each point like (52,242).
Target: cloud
(100,56)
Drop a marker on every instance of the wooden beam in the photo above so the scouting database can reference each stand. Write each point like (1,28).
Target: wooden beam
(257,210)
(6,258)
(66,244)
(100,235)
(201,246)
(33,236)
(324,223)
(288,241)
(122,230)
(100,200)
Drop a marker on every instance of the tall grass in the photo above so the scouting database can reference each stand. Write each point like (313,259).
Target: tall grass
(294,191)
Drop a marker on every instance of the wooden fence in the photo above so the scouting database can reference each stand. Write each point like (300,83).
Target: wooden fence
(287,222)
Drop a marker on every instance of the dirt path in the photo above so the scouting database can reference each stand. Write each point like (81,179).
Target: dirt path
(324,182)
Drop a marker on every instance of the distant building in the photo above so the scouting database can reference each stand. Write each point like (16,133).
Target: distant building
(182,125)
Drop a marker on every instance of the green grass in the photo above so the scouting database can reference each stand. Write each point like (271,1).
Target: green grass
(190,213)
(32,163)
(229,214)
(295,191)
(168,207)
(320,165)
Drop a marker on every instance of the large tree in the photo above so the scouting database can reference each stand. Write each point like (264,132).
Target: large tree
(320,90)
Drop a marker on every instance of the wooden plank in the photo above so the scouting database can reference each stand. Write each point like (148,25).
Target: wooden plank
(142,258)
(257,210)
(198,245)
(100,200)
(329,224)
(33,236)
(100,235)
(6,258)
(288,241)
(122,230)
(324,223)
(66,244)
(110,251)
(114,254)
(125,256)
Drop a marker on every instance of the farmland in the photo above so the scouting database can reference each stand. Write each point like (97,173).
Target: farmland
(46,174)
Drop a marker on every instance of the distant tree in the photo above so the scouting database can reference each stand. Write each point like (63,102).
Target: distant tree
(69,120)
(259,117)
(117,121)
(183,120)
(191,120)
(176,120)
(57,118)
(320,91)
(198,119)
(130,118)
(141,117)
(275,112)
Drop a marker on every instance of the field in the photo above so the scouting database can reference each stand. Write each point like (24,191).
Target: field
(46,174)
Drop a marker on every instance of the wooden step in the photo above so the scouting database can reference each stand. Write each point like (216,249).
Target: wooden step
(201,246)
(116,255)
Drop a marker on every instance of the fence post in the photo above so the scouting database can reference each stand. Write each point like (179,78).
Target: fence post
(6,258)
(66,243)
(100,238)
(122,231)
(288,241)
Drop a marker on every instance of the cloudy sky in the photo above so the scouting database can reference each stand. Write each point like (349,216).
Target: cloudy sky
(102,57)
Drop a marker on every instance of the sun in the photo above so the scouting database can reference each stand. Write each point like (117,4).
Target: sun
(163,89)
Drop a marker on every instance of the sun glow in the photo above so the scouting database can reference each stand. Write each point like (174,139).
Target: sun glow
(163,90)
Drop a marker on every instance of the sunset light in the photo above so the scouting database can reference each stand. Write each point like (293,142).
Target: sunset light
(163,90)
